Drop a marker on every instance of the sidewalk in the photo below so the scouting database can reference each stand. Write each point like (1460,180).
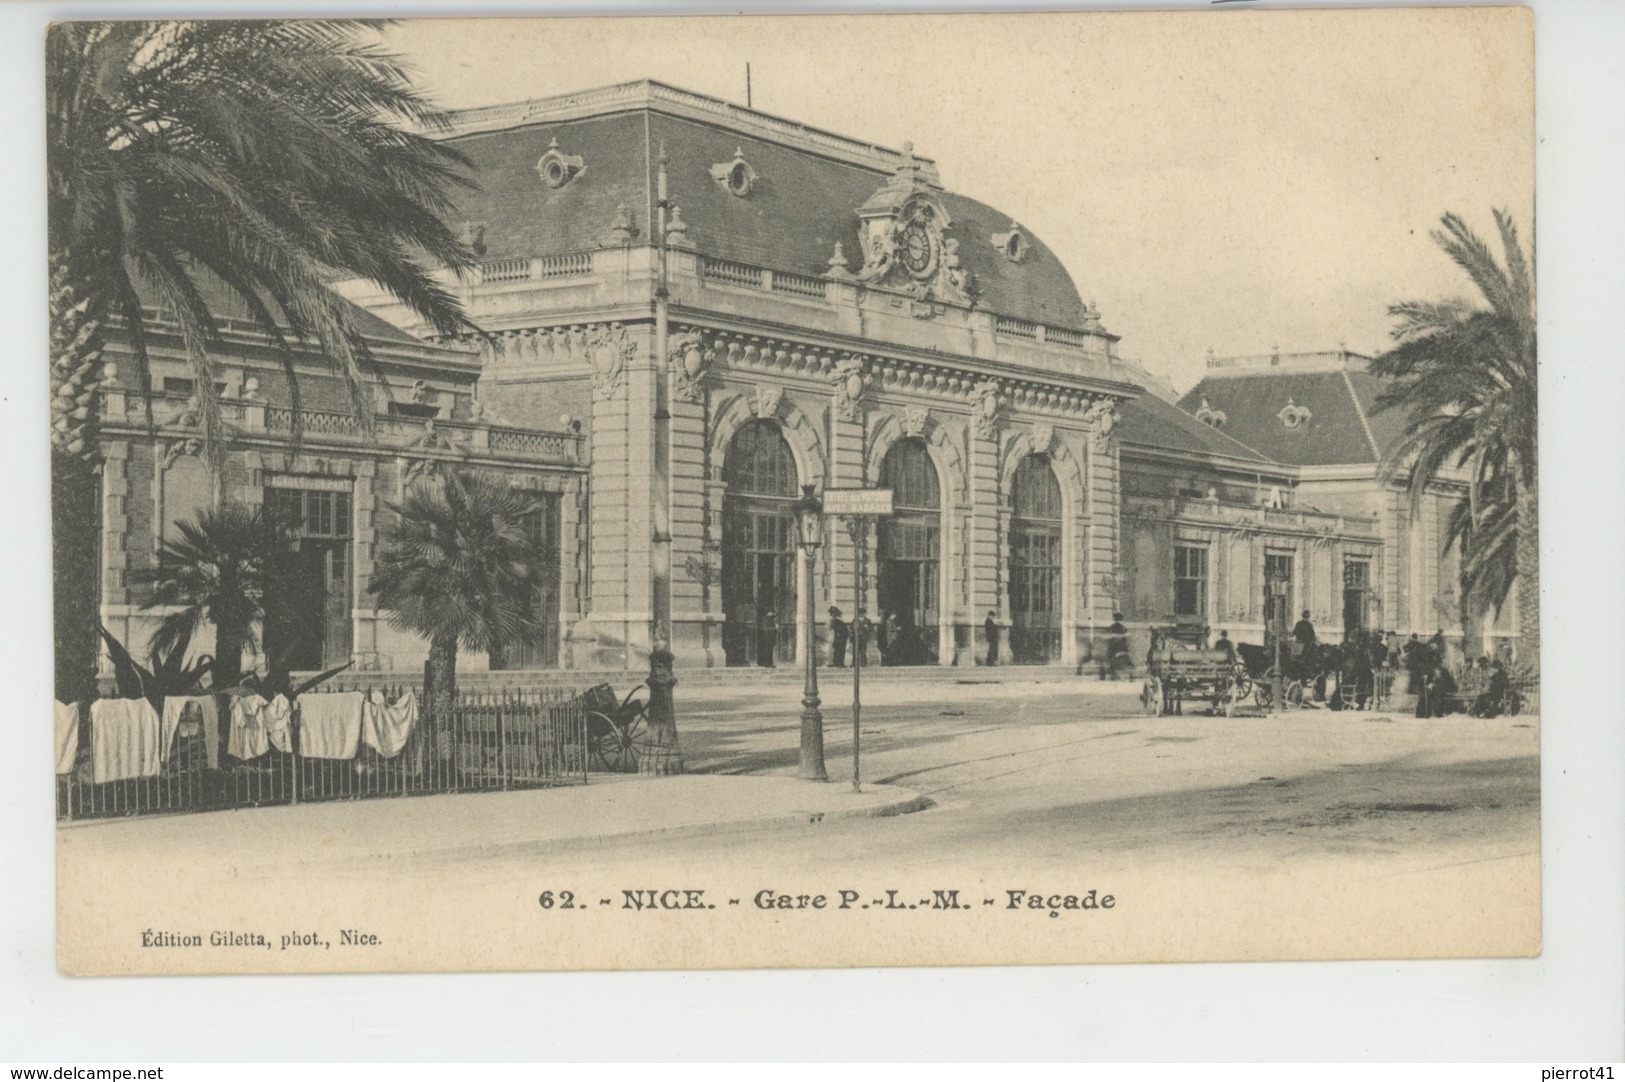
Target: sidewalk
(475,825)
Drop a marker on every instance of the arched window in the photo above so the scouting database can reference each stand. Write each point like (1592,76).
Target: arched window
(1035,563)
(910,552)
(759,547)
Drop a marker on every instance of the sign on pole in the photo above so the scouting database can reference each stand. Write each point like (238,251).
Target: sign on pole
(853,502)
(858,506)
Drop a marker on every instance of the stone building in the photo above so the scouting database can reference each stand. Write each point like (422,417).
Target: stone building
(816,311)
(339,483)
(1317,415)
(838,318)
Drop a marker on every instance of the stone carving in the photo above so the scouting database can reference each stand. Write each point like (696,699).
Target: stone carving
(988,408)
(607,349)
(1105,415)
(176,448)
(677,229)
(1012,243)
(850,380)
(557,168)
(1293,415)
(903,229)
(914,421)
(768,397)
(837,264)
(1043,437)
(736,177)
(689,360)
(621,228)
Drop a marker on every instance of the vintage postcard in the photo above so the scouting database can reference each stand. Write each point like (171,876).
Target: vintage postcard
(794,491)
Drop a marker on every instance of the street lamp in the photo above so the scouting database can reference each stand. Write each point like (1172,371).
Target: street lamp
(1278,594)
(810,523)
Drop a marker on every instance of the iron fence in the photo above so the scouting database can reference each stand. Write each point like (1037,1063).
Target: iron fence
(492,740)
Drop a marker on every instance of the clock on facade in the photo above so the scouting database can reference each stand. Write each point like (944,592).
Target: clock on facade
(917,248)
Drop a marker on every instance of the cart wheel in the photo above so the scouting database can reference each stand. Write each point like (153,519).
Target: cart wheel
(1263,694)
(604,748)
(1242,682)
(638,743)
(1294,692)
(1151,696)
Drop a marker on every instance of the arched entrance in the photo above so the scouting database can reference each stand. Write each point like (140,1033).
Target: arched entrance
(910,556)
(759,547)
(1035,563)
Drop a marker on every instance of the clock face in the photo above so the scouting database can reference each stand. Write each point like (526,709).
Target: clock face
(917,248)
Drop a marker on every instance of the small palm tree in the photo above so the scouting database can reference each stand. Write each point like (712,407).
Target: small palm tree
(1464,373)
(230,567)
(269,157)
(458,567)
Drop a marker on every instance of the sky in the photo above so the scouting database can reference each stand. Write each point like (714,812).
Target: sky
(1237,181)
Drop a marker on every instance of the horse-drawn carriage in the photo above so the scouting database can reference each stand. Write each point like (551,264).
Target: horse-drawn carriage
(1181,669)
(617,730)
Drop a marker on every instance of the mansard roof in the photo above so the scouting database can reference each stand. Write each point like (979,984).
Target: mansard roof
(1338,422)
(1149,423)
(803,196)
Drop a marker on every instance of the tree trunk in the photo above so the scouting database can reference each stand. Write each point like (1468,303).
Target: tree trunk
(1528,558)
(228,656)
(76,511)
(76,559)
(441,694)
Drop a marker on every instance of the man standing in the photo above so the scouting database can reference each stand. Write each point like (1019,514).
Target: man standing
(839,629)
(990,628)
(1304,631)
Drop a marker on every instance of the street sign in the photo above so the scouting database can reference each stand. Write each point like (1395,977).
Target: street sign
(855,502)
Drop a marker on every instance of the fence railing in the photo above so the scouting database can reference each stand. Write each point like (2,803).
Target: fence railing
(491,741)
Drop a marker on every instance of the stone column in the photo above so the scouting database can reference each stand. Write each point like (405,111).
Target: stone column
(695,642)
(987,540)
(847,469)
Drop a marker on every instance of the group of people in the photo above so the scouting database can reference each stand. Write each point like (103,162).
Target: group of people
(900,644)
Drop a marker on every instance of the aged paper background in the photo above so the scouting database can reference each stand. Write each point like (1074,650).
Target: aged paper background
(1484,912)
(1201,906)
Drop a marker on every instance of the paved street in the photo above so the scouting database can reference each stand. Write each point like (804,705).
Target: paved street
(1317,834)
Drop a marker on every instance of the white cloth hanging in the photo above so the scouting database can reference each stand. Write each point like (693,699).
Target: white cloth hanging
(386,726)
(123,740)
(330,724)
(258,726)
(175,709)
(67,736)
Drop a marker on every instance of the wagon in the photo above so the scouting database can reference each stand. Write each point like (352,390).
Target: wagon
(1177,675)
(617,729)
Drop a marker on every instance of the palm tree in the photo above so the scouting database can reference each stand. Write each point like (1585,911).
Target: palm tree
(269,156)
(232,568)
(1464,373)
(458,567)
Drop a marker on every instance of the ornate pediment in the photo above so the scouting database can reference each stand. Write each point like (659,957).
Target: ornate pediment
(903,228)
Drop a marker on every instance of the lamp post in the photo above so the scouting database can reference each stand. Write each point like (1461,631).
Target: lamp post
(1277,590)
(810,522)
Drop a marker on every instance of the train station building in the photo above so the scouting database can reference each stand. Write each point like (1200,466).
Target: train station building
(839,317)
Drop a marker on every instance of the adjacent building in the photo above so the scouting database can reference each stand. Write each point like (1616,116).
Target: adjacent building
(804,308)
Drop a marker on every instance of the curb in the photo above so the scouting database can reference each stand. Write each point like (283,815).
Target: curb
(473,851)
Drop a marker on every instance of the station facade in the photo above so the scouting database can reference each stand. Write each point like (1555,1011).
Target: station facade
(836,317)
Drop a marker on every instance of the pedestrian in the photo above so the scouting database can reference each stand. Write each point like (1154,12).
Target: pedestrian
(1304,632)
(1491,703)
(890,638)
(767,637)
(841,632)
(1415,665)
(1117,647)
(1227,646)
(990,628)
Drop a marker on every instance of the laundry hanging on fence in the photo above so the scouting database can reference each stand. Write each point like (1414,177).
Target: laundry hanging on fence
(258,726)
(67,736)
(330,724)
(175,710)
(386,726)
(123,739)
